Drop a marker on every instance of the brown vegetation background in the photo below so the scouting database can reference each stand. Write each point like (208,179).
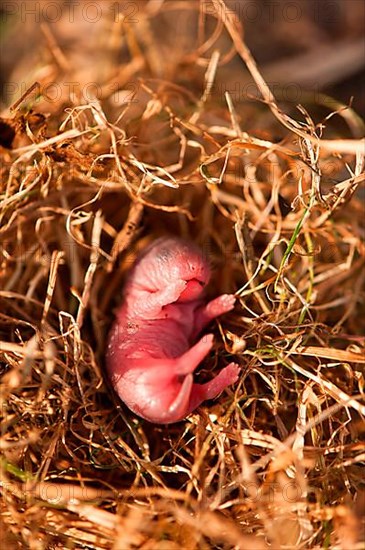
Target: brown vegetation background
(237,125)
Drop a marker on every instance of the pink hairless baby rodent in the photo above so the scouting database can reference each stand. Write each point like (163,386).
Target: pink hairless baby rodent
(151,357)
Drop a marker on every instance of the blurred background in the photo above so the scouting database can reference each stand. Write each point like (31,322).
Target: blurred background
(302,46)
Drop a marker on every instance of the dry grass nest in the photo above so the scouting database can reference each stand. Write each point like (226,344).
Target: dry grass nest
(276,461)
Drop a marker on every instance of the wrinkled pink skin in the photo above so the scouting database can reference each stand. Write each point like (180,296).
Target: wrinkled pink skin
(149,357)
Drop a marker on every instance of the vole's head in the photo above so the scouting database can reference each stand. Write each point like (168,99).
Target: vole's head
(171,259)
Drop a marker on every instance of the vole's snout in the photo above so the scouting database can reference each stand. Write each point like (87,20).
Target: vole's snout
(192,291)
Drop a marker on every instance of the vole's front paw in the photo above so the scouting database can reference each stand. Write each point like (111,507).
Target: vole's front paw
(227,301)
(221,305)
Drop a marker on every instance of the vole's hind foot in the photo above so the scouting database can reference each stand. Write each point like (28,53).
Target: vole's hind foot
(189,361)
(226,377)
(192,395)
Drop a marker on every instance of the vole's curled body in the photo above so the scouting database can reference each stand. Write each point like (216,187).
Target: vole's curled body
(151,354)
